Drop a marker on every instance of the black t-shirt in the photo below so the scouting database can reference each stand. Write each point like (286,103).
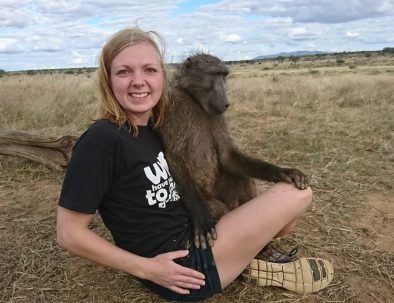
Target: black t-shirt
(127,180)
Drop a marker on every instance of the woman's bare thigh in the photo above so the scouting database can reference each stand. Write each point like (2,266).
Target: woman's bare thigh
(243,232)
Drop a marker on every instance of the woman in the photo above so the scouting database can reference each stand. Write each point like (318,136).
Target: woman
(118,164)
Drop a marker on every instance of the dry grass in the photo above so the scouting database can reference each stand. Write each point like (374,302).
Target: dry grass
(49,104)
(336,125)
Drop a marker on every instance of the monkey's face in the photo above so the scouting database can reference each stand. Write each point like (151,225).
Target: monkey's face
(204,78)
(213,98)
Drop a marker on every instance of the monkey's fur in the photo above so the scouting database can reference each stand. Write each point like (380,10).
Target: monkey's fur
(212,174)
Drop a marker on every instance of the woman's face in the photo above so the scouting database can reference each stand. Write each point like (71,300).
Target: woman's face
(137,80)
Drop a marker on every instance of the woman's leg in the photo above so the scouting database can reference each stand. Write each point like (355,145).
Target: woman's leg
(243,232)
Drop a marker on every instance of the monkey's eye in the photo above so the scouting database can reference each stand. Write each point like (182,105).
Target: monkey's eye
(220,74)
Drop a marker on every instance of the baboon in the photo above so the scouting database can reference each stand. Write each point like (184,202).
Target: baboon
(213,175)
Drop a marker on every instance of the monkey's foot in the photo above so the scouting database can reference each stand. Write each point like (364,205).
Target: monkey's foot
(301,276)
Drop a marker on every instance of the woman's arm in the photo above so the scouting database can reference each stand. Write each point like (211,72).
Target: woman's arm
(73,234)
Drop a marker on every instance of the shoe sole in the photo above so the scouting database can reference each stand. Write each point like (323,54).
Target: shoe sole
(302,276)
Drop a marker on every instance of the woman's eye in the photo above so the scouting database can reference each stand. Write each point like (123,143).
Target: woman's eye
(123,72)
(151,70)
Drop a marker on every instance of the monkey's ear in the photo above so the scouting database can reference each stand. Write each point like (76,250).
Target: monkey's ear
(188,62)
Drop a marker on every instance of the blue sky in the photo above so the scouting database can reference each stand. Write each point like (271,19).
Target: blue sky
(37,34)
(186,7)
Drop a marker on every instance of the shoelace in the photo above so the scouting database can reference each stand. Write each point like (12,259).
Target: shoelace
(280,257)
(272,254)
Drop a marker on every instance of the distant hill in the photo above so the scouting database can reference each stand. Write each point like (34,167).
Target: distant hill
(291,54)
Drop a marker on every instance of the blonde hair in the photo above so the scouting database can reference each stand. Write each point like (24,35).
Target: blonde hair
(109,106)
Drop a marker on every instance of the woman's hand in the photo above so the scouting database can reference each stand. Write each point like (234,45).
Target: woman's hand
(74,235)
(164,271)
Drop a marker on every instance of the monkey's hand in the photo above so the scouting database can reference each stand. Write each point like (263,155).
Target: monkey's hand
(202,218)
(204,228)
(292,175)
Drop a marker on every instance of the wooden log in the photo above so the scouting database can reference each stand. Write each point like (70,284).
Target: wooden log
(53,152)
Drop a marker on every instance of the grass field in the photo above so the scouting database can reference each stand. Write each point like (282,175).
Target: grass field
(334,120)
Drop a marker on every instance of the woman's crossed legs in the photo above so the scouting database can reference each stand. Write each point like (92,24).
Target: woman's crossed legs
(243,232)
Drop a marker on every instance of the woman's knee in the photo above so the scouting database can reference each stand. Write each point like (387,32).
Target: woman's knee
(297,203)
(301,199)
(305,196)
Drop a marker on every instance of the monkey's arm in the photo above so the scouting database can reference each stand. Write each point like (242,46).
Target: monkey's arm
(236,162)
(196,198)
(202,220)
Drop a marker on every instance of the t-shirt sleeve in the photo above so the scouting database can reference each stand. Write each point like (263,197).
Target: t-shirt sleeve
(88,178)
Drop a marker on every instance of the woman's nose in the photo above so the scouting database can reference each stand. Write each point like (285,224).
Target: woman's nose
(138,79)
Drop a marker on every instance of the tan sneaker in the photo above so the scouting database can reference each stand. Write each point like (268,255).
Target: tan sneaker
(302,276)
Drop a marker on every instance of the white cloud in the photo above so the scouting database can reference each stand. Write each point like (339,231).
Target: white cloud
(10,17)
(6,44)
(77,58)
(67,33)
(231,38)
(311,46)
(386,6)
(305,33)
(297,32)
(352,34)
(309,10)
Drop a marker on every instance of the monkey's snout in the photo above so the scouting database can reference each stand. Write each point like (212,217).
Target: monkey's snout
(218,109)
(224,107)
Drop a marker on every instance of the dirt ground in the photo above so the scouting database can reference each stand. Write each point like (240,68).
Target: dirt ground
(336,126)
(35,269)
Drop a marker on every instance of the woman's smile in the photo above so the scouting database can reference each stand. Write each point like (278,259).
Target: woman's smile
(137,80)
(138,95)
